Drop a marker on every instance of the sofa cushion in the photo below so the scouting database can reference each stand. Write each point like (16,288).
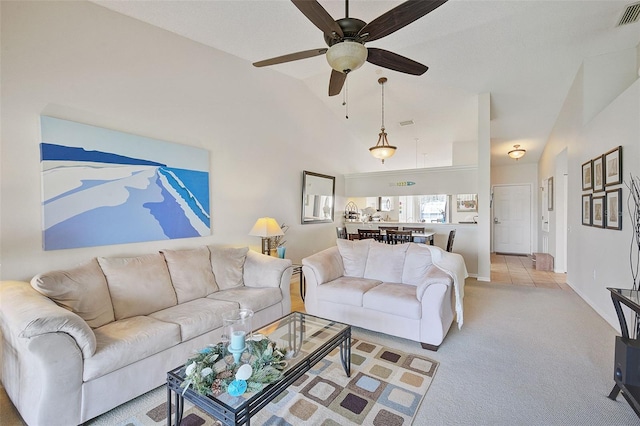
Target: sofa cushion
(252,298)
(82,290)
(354,256)
(126,341)
(138,285)
(346,290)
(393,298)
(385,262)
(228,266)
(191,273)
(417,262)
(195,317)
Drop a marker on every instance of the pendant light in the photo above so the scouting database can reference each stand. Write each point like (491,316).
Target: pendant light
(382,150)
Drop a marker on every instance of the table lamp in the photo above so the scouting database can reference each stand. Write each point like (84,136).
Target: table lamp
(266,227)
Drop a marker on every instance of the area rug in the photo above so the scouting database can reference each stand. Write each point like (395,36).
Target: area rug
(386,388)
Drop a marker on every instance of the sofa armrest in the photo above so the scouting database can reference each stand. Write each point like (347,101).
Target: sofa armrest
(27,314)
(434,275)
(323,266)
(266,271)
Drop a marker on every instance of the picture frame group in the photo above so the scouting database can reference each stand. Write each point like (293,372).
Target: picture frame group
(602,206)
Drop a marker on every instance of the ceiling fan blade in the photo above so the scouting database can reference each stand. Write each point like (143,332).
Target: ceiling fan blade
(319,17)
(393,61)
(336,82)
(398,17)
(291,57)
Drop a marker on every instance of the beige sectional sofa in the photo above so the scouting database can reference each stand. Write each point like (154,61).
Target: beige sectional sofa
(79,342)
(409,290)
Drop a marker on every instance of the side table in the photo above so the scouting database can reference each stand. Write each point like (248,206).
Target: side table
(626,373)
(297,269)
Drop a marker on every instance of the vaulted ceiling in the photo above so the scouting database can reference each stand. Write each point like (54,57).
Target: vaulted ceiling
(524,53)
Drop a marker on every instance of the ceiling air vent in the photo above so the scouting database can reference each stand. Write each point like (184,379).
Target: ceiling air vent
(406,123)
(630,15)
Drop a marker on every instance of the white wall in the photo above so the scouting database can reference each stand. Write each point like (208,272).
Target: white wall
(597,258)
(81,62)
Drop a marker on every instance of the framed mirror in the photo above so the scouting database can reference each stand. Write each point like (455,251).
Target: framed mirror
(318,196)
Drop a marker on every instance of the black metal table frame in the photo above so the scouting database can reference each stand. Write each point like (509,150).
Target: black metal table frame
(618,299)
(242,414)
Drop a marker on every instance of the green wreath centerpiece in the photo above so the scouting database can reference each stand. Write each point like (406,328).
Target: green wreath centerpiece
(208,373)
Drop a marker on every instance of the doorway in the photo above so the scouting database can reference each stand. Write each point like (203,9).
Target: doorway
(512,219)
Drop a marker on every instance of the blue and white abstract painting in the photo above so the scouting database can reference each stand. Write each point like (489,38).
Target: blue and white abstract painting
(103,187)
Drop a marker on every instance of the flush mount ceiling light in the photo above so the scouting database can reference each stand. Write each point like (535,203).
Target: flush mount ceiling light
(517,153)
(346,56)
(382,150)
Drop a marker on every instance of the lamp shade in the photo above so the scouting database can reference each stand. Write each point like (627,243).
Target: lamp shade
(266,227)
(346,56)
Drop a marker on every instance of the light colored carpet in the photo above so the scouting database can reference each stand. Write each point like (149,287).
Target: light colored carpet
(386,388)
(525,356)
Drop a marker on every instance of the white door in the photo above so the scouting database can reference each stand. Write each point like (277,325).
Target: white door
(512,219)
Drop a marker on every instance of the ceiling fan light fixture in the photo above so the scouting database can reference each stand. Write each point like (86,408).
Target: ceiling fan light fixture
(517,153)
(346,56)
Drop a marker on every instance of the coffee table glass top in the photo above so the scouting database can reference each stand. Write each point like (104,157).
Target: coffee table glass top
(305,335)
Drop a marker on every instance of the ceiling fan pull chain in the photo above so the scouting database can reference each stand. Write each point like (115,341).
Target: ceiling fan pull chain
(345,98)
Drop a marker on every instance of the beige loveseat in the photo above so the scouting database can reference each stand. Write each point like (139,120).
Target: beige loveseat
(80,342)
(406,290)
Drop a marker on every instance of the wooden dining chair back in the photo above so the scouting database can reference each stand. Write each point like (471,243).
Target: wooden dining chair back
(388,228)
(452,235)
(370,233)
(413,229)
(398,237)
(342,232)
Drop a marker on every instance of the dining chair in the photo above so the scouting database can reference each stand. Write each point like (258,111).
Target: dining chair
(342,232)
(388,228)
(370,233)
(410,228)
(398,237)
(452,235)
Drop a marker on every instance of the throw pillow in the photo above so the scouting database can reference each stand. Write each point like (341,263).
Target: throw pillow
(416,264)
(228,266)
(82,290)
(354,256)
(138,285)
(191,273)
(385,262)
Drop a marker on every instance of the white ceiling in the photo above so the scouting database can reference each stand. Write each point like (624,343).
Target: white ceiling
(524,53)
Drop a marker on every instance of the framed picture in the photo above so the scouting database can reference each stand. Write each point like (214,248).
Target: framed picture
(586,209)
(467,202)
(587,174)
(550,194)
(613,167)
(598,174)
(613,217)
(597,211)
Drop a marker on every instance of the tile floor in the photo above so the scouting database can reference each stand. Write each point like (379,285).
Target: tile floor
(519,270)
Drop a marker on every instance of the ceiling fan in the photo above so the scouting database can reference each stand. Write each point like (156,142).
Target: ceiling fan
(346,38)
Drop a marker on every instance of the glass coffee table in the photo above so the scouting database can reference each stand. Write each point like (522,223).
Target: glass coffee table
(309,337)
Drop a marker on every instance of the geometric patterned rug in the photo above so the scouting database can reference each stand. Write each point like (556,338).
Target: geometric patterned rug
(386,388)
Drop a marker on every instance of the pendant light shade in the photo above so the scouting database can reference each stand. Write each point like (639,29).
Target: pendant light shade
(382,150)
(346,56)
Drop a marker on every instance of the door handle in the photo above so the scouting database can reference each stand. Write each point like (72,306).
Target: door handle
(495,220)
